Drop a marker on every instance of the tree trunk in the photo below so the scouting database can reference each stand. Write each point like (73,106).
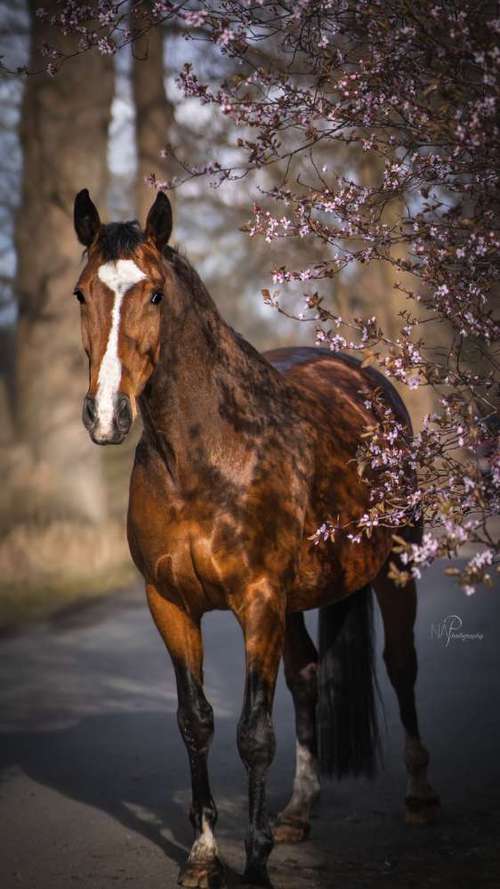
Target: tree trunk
(64,131)
(154,116)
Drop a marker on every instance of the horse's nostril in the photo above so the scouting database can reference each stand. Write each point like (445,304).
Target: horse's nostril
(89,412)
(123,413)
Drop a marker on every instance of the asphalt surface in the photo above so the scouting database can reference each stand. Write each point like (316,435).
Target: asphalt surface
(94,786)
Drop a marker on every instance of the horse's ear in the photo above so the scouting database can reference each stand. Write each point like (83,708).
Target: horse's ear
(86,218)
(159,221)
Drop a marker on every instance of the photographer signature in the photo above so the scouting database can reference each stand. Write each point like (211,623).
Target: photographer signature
(450,629)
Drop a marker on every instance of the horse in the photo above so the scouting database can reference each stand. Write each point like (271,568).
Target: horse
(242,456)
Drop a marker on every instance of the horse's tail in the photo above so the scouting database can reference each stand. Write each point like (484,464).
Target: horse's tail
(346,713)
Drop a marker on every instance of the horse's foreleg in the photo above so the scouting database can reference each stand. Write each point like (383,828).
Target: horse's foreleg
(398,608)
(301,664)
(182,636)
(262,620)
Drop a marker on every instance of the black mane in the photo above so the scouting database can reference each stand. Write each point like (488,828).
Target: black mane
(119,239)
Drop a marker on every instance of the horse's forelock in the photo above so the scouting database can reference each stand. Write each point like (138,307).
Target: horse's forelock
(119,240)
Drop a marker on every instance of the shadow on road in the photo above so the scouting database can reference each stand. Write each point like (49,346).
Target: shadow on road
(115,763)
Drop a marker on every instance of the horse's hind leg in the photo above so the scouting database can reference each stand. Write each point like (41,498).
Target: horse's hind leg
(399,608)
(182,637)
(301,665)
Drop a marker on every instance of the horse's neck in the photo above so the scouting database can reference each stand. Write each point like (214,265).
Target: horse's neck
(211,396)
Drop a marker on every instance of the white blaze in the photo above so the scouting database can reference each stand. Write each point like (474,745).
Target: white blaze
(119,276)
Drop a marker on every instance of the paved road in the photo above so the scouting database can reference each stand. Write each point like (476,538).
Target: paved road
(94,784)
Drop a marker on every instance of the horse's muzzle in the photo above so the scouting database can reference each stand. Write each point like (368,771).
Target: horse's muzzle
(113,433)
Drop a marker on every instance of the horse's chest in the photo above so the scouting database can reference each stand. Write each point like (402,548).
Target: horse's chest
(204,552)
(170,548)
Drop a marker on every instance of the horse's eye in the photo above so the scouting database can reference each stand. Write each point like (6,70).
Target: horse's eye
(79,295)
(157,297)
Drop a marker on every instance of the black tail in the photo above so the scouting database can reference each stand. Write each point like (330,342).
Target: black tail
(346,713)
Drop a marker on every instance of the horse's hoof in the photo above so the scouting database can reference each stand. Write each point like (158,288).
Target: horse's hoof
(202,875)
(422,810)
(291,831)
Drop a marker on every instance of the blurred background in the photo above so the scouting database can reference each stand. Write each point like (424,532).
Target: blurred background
(93,774)
(101,124)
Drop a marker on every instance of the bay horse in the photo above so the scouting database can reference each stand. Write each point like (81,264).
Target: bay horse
(241,459)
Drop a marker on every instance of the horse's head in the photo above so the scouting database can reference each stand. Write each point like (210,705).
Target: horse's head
(120,292)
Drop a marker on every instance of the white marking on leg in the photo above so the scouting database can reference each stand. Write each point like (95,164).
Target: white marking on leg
(205,846)
(119,276)
(305,786)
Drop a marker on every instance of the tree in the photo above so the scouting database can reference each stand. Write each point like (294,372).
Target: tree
(64,138)
(154,115)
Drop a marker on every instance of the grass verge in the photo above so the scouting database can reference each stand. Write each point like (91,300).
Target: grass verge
(45,569)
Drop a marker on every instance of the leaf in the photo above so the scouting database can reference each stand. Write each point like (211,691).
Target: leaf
(370,358)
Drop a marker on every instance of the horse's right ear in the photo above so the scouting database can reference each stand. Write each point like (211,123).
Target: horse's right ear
(159,221)
(86,218)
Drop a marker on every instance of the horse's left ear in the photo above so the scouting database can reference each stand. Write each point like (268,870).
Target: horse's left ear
(159,221)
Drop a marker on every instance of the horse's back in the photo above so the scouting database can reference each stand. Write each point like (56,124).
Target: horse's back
(326,372)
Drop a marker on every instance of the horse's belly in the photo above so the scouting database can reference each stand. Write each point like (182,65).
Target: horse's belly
(328,571)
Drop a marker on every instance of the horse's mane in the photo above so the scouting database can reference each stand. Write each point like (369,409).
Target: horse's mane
(187,274)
